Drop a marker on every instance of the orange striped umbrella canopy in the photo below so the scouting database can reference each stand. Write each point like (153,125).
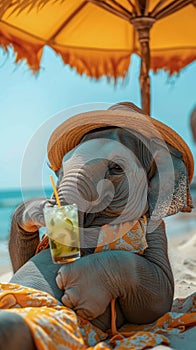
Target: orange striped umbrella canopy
(97,37)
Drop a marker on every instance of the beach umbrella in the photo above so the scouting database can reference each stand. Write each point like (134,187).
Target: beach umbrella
(97,37)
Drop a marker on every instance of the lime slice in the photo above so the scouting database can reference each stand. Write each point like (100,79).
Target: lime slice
(68,224)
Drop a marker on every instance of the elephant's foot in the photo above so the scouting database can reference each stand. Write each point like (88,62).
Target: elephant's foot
(14,333)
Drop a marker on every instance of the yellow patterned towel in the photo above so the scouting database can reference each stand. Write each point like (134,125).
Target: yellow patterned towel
(55,327)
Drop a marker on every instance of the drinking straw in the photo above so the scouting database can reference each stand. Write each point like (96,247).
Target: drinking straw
(55,191)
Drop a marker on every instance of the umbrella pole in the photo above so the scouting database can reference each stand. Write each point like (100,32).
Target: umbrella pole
(143,25)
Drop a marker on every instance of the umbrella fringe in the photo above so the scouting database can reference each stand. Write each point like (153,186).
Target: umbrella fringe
(95,63)
(172,62)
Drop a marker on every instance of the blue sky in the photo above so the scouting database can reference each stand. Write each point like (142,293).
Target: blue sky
(29,104)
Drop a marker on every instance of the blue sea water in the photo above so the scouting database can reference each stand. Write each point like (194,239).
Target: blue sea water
(9,200)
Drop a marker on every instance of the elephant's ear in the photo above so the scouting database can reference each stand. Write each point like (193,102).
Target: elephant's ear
(169,190)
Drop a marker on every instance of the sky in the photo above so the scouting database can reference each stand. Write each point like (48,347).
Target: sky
(32,106)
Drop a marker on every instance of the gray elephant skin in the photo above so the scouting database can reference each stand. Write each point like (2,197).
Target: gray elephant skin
(113,177)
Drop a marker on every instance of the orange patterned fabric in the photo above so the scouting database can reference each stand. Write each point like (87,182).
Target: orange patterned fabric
(129,236)
(44,244)
(54,327)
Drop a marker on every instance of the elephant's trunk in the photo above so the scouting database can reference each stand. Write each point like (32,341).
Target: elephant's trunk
(90,196)
(70,192)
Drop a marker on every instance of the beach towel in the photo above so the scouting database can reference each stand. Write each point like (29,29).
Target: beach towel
(56,327)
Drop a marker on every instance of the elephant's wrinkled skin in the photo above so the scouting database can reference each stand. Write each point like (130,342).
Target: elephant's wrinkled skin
(101,170)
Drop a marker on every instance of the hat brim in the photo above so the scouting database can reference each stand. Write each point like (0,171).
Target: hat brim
(69,134)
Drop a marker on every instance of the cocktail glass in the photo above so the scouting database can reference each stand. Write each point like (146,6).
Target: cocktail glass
(63,232)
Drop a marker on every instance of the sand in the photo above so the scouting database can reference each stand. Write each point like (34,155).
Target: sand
(181,233)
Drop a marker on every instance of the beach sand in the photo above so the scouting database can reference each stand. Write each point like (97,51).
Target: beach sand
(181,233)
(5,263)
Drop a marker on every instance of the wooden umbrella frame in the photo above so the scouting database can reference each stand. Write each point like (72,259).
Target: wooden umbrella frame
(142,19)
(138,13)
(143,25)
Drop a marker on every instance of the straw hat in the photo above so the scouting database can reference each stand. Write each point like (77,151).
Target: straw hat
(124,115)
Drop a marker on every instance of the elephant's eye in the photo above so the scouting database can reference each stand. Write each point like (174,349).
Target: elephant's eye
(115,169)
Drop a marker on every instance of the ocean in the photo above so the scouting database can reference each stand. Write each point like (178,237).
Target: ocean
(9,200)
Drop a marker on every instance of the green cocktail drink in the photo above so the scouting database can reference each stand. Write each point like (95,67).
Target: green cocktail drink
(63,232)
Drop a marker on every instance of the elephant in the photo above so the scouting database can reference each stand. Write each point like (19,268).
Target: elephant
(114,175)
